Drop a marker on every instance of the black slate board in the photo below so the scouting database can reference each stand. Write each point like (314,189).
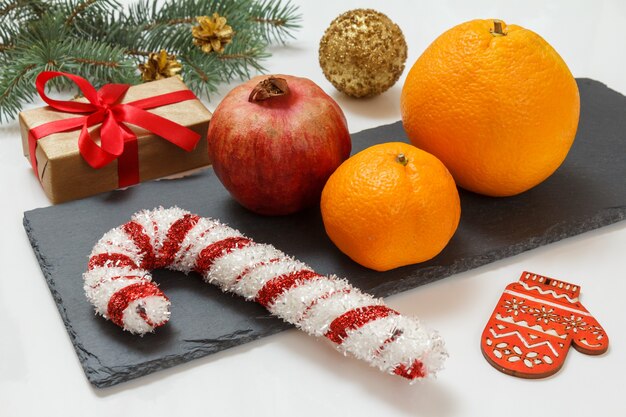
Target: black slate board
(587,192)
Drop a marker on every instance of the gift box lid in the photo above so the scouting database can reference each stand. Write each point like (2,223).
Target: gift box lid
(64,144)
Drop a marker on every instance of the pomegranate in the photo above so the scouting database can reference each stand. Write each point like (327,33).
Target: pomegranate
(275,140)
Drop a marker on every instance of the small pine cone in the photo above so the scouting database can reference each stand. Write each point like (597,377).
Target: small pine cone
(160,65)
(212,33)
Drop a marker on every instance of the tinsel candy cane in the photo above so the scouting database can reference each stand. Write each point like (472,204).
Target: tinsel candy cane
(119,285)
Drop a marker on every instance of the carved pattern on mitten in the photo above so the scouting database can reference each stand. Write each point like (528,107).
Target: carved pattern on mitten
(533,325)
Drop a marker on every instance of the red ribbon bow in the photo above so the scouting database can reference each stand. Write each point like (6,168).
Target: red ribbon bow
(116,139)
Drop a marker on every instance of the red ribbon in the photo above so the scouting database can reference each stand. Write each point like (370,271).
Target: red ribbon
(117,141)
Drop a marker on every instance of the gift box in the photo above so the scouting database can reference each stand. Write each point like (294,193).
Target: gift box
(63,169)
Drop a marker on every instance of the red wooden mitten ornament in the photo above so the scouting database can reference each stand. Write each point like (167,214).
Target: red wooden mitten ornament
(534,324)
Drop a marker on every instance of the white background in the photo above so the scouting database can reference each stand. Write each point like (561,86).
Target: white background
(293,374)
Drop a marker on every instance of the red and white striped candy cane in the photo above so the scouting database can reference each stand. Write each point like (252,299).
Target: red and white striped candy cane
(118,283)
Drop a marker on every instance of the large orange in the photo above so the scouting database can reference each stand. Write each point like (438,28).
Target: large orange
(497,105)
(390,205)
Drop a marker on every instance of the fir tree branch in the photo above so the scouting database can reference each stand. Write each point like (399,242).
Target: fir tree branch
(14,15)
(100,63)
(200,73)
(275,19)
(241,55)
(201,78)
(13,83)
(171,22)
(81,7)
(15,89)
(103,41)
(112,28)
(89,17)
(137,53)
(21,7)
(183,12)
(110,64)
(273,22)
(9,7)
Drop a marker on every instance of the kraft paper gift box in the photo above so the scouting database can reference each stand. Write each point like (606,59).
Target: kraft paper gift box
(65,175)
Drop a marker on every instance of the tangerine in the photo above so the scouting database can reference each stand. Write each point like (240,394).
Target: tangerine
(390,205)
(495,103)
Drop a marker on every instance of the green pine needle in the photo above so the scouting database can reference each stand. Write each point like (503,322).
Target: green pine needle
(275,20)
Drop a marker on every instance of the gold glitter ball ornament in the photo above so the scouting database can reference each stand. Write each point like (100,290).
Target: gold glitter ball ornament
(212,33)
(160,65)
(362,53)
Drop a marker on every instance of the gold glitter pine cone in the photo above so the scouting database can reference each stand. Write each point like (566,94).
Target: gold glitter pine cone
(160,65)
(362,53)
(212,33)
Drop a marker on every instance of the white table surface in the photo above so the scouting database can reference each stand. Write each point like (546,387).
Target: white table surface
(294,374)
